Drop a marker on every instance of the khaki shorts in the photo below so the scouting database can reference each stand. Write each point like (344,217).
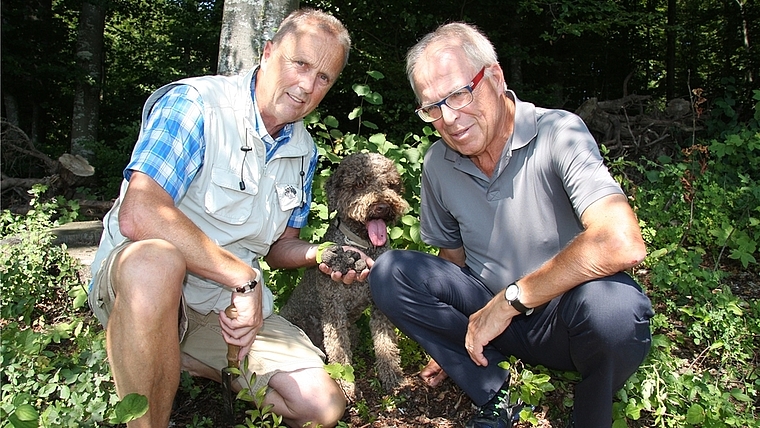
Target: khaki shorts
(279,346)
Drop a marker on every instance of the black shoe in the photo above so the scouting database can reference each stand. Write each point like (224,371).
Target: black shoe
(497,413)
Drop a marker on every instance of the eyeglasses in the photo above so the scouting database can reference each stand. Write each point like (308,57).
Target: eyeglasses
(456,100)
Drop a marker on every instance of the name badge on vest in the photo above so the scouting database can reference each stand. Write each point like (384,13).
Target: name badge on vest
(290,196)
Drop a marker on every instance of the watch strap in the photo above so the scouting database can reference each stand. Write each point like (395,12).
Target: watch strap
(247,287)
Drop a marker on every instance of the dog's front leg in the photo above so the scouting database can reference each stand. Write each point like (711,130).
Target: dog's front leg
(337,340)
(385,342)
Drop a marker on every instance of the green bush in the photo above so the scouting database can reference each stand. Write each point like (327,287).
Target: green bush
(699,217)
(53,355)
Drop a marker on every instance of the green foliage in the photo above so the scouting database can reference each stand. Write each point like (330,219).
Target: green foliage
(340,371)
(699,216)
(131,407)
(31,254)
(260,416)
(529,385)
(53,355)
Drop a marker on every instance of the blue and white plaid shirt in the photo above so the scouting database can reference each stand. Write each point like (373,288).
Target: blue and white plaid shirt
(172,146)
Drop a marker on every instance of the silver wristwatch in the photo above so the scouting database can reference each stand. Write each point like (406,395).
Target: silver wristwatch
(512,294)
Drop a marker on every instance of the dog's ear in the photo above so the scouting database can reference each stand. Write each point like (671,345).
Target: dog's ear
(343,175)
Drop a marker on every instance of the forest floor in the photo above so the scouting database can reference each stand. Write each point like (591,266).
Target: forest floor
(413,405)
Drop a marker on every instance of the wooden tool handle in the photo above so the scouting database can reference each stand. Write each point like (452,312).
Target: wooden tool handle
(232,350)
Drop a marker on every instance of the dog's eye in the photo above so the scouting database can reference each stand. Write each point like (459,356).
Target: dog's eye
(358,185)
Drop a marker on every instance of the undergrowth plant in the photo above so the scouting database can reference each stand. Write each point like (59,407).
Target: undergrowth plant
(700,218)
(52,352)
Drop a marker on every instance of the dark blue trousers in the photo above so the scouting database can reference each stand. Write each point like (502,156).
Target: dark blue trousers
(599,329)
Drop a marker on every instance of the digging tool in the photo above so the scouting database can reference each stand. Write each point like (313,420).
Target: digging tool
(230,373)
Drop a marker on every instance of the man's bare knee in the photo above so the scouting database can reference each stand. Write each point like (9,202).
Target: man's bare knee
(307,398)
(148,278)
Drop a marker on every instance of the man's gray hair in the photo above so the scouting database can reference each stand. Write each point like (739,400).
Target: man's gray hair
(306,16)
(477,48)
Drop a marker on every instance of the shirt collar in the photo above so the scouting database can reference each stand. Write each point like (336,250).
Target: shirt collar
(525,128)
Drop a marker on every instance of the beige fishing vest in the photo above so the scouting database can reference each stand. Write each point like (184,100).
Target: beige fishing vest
(237,199)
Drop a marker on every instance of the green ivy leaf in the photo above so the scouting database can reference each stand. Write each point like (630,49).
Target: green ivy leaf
(414,233)
(340,371)
(374,98)
(336,134)
(695,415)
(129,408)
(396,233)
(79,295)
(356,112)
(331,121)
(376,74)
(361,90)
(739,395)
(620,423)
(658,253)
(409,220)
(25,416)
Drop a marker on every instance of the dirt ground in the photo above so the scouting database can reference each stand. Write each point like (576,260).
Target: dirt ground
(413,405)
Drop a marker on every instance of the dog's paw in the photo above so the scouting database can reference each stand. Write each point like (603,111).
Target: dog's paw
(342,261)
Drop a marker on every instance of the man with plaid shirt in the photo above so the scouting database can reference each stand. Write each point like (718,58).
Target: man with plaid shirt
(220,176)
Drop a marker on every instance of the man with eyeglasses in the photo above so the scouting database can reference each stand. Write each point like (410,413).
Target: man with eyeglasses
(533,236)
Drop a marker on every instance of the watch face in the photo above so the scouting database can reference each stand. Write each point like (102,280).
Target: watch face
(512,292)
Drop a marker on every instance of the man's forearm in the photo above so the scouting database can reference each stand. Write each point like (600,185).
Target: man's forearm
(290,252)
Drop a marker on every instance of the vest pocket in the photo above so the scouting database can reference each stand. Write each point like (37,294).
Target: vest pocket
(227,199)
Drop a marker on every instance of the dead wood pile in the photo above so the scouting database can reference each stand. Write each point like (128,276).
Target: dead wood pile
(633,127)
(62,176)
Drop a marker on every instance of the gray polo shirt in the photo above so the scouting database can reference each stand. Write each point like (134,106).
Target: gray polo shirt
(509,225)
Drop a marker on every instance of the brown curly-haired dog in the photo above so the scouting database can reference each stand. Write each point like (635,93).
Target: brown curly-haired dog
(366,193)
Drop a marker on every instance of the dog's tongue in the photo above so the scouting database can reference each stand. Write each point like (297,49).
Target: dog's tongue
(377,232)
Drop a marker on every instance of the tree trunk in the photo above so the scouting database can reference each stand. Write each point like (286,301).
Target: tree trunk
(745,36)
(11,109)
(515,60)
(670,60)
(89,52)
(246,26)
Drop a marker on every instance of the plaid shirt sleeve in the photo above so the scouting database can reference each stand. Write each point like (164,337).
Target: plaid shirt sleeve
(171,146)
(300,215)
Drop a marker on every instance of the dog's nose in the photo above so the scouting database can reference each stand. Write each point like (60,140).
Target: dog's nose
(380,210)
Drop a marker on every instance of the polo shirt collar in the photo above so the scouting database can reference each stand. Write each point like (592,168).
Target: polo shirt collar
(525,128)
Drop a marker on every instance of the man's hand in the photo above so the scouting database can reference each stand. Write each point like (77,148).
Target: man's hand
(351,275)
(433,374)
(485,324)
(242,330)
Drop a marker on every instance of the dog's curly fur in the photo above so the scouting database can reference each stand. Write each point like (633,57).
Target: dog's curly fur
(365,187)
